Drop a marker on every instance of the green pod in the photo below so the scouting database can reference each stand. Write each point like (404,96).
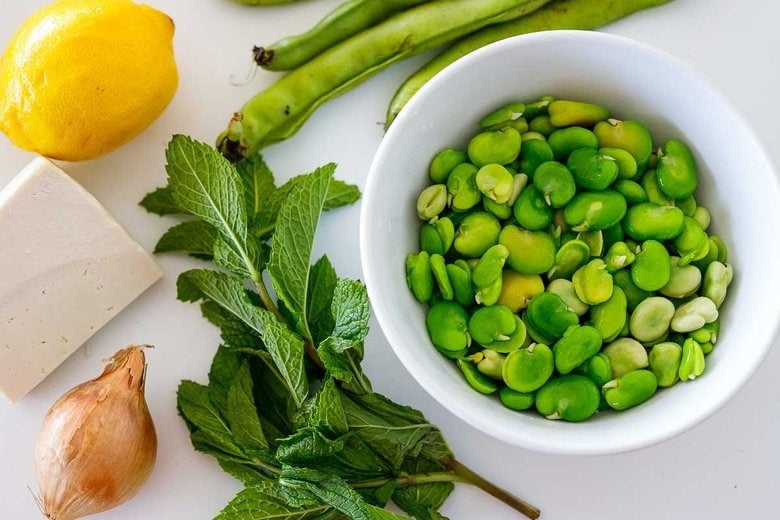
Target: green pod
(459,274)
(443,163)
(476,233)
(565,140)
(534,153)
(530,209)
(565,289)
(419,276)
(439,270)
(498,146)
(676,170)
(515,400)
(594,210)
(431,201)
(646,220)
(593,283)
(476,379)
(571,256)
(717,278)
(598,369)
(530,252)
(591,169)
(632,191)
(447,324)
(692,362)
(634,295)
(495,182)
(652,268)
(649,182)
(489,294)
(625,355)
(631,136)
(618,256)
(651,319)
(541,125)
(577,345)
(630,389)
(567,113)
(627,167)
(610,316)
(555,182)
(692,243)
(527,369)
(571,397)
(550,315)
(490,266)
(510,112)
(462,187)
(664,360)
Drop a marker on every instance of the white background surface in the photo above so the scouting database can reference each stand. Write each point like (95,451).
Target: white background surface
(726,467)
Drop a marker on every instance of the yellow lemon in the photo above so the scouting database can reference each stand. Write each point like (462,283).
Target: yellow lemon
(82,77)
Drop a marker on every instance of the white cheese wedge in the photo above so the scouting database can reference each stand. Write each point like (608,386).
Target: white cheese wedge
(66,268)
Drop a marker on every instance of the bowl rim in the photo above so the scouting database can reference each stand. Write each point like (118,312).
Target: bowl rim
(381,308)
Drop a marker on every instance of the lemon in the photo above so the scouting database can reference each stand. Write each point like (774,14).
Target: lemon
(82,77)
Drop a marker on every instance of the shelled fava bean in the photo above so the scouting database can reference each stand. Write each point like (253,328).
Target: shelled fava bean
(565,261)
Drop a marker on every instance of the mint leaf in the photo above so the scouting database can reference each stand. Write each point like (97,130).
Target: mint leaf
(308,444)
(193,236)
(293,241)
(222,373)
(285,348)
(328,410)
(226,255)
(203,418)
(249,475)
(341,194)
(234,332)
(336,354)
(350,311)
(262,501)
(423,501)
(258,183)
(241,414)
(161,202)
(322,283)
(335,492)
(206,185)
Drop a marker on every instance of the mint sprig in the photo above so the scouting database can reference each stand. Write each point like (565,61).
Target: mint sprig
(287,409)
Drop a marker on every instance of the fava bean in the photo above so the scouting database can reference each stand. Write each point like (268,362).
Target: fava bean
(717,278)
(517,289)
(567,113)
(646,220)
(628,135)
(571,256)
(593,283)
(652,268)
(594,210)
(541,124)
(627,167)
(443,163)
(591,169)
(495,182)
(634,295)
(489,362)
(694,314)
(515,400)
(498,146)
(550,315)
(566,140)
(577,345)
(692,362)
(530,209)
(447,324)
(530,252)
(687,205)
(493,323)
(651,319)
(490,266)
(684,280)
(664,360)
(610,316)
(534,153)
(555,182)
(459,274)
(462,187)
(565,290)
(649,182)
(618,256)
(500,211)
(571,397)
(439,270)
(527,369)
(510,112)
(625,355)
(598,369)
(476,233)
(419,277)
(595,241)
(632,191)
(432,201)
(676,170)
(702,216)
(630,389)
(692,243)
(489,294)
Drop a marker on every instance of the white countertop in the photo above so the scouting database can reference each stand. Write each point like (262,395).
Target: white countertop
(725,468)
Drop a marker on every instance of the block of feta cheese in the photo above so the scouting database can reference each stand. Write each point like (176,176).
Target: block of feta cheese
(66,268)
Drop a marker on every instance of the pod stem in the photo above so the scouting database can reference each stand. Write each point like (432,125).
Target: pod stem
(469,476)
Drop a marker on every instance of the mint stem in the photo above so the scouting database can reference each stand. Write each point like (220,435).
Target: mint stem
(265,297)
(410,480)
(467,475)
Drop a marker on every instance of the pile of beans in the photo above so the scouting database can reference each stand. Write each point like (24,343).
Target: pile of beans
(566,264)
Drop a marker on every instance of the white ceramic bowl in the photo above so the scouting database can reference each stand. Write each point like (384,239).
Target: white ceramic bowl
(636,81)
